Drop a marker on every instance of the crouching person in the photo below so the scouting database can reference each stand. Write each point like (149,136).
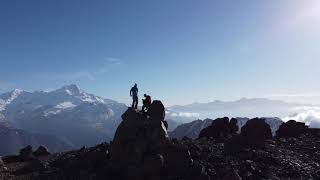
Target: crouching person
(146,103)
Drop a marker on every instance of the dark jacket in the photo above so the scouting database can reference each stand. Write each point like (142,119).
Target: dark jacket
(134,91)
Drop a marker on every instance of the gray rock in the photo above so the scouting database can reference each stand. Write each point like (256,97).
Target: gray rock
(255,133)
(232,175)
(1,163)
(26,153)
(138,134)
(42,151)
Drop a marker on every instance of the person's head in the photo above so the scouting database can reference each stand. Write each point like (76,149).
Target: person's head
(145,95)
(135,85)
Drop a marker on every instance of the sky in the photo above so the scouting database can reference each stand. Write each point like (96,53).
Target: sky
(179,51)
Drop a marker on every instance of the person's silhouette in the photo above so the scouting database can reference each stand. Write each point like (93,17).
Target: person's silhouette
(146,103)
(134,95)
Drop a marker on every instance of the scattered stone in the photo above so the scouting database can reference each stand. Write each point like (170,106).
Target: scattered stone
(3,168)
(153,165)
(234,145)
(1,163)
(232,175)
(177,158)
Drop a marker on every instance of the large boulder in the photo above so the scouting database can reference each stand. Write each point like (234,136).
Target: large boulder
(141,148)
(253,135)
(42,151)
(291,129)
(157,110)
(138,136)
(255,132)
(25,153)
(220,129)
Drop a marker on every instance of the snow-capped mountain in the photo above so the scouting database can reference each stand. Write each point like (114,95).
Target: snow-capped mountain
(192,129)
(69,113)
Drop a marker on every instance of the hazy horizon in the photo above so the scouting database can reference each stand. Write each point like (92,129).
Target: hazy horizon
(128,102)
(177,51)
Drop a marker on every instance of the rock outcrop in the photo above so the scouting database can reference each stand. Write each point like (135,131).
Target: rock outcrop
(26,153)
(138,140)
(291,129)
(256,132)
(253,135)
(220,129)
(42,151)
(137,135)
(141,148)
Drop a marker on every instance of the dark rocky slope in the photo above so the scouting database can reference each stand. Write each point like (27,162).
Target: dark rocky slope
(12,140)
(141,150)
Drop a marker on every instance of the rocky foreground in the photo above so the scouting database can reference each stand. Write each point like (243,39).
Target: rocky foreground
(141,149)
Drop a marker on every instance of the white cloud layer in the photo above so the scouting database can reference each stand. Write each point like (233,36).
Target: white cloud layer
(309,115)
(183,114)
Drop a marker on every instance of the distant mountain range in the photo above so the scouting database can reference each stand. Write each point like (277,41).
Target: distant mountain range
(255,107)
(12,140)
(78,118)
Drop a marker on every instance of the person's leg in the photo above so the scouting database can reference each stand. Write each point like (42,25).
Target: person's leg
(147,107)
(132,106)
(136,102)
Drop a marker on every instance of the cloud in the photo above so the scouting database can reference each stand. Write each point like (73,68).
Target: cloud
(309,98)
(114,61)
(183,114)
(308,115)
(108,64)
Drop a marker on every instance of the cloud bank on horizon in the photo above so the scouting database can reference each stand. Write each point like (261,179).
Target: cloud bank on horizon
(308,115)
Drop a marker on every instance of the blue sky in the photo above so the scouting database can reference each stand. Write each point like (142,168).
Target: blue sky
(179,51)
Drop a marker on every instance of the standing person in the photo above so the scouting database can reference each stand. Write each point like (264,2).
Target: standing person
(134,95)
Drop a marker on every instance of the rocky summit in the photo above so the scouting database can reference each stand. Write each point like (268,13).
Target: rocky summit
(142,150)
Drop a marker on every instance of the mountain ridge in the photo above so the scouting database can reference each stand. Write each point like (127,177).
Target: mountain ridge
(68,113)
